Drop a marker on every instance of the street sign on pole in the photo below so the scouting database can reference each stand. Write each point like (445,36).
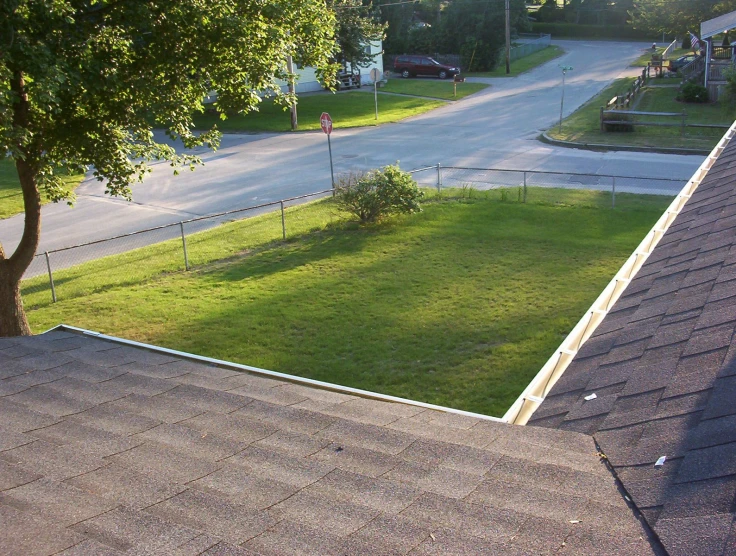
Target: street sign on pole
(564,69)
(326,122)
(375,76)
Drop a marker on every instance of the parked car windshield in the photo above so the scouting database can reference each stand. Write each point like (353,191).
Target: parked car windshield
(435,62)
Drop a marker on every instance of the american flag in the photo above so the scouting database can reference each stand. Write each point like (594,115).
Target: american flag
(694,41)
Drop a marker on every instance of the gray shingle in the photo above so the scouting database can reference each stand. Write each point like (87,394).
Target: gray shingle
(56,502)
(125,486)
(240,485)
(12,476)
(694,536)
(140,532)
(156,459)
(55,462)
(206,446)
(24,533)
(234,523)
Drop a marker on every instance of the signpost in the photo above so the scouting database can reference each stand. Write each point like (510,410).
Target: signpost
(375,76)
(326,122)
(564,69)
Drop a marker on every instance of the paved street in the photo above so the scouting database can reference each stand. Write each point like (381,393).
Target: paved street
(495,128)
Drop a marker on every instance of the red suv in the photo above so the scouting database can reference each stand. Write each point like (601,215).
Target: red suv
(408,66)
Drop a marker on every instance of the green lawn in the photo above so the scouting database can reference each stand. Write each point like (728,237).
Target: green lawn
(459,305)
(11,197)
(522,64)
(583,126)
(431,88)
(349,109)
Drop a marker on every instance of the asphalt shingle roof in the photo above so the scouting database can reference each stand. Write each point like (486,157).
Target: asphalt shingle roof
(111,449)
(663,366)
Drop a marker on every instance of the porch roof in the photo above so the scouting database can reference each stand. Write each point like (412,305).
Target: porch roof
(719,24)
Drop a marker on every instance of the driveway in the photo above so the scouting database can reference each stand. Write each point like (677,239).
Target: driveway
(496,127)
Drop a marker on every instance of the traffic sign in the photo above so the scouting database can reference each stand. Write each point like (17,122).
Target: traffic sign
(326,122)
(375,74)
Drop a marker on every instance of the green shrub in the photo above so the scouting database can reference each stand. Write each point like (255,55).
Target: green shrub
(693,92)
(379,193)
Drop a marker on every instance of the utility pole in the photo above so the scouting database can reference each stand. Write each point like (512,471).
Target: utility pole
(508,38)
(292,107)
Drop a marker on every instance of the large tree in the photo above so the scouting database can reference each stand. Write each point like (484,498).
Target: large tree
(82,83)
(677,16)
(358,23)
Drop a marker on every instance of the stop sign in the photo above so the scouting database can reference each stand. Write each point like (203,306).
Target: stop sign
(326,122)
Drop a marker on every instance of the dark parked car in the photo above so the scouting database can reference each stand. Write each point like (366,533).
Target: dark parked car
(681,62)
(408,66)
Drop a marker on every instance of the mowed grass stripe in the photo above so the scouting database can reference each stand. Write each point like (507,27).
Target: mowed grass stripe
(459,305)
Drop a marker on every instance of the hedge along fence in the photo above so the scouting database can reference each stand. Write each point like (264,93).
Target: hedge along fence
(574,30)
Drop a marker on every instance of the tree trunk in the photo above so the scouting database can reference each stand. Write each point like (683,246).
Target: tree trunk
(13,320)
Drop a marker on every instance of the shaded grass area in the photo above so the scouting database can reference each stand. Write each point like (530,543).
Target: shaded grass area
(459,305)
(11,196)
(522,64)
(583,126)
(431,88)
(349,109)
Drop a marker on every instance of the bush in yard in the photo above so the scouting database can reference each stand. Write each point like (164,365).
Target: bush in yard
(693,92)
(379,193)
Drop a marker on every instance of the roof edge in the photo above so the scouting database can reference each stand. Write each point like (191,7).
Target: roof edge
(275,374)
(534,394)
(706,27)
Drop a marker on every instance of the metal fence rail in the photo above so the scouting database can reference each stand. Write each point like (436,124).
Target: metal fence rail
(176,243)
(443,177)
(178,246)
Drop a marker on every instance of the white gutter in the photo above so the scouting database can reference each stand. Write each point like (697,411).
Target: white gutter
(533,395)
(281,376)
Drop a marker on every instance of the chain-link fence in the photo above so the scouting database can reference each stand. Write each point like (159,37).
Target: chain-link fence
(85,269)
(529,44)
(139,256)
(530,184)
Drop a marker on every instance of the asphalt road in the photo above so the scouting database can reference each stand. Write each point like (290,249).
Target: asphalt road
(497,128)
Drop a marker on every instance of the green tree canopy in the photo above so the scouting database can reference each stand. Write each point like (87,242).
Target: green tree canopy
(677,16)
(357,24)
(82,82)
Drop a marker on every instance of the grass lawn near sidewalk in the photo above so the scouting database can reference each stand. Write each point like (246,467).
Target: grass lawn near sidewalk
(11,196)
(348,109)
(432,88)
(459,305)
(522,64)
(583,126)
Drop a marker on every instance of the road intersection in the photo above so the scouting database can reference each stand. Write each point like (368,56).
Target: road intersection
(497,127)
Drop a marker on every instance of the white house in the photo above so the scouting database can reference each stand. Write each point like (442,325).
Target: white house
(308,81)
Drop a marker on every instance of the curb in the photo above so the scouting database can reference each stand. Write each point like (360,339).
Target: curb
(544,138)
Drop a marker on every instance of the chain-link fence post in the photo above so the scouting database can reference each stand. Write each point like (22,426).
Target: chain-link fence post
(51,277)
(283,221)
(613,193)
(184,245)
(439,178)
(525,187)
